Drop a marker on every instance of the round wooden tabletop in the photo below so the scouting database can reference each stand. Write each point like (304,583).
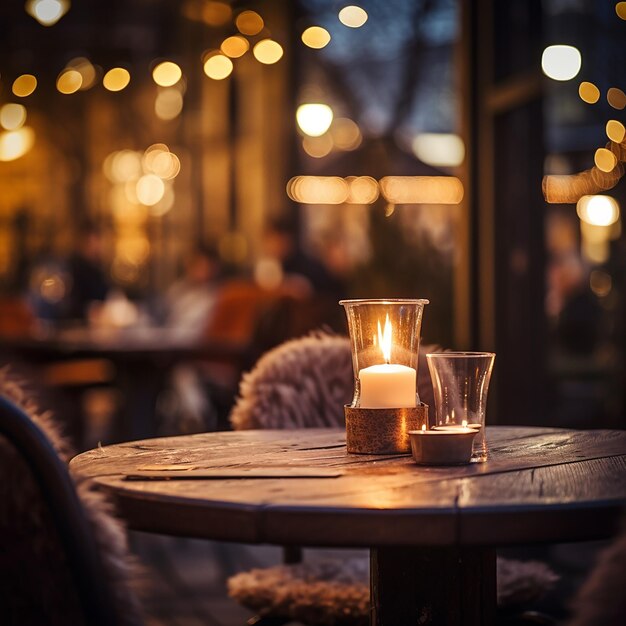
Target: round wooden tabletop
(539,484)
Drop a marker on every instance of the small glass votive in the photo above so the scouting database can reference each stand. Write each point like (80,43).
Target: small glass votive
(460,385)
(385,340)
(452,446)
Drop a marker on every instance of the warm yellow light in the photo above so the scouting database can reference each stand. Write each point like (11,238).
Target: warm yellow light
(318,189)
(69,81)
(166,74)
(600,282)
(345,133)
(24,85)
(150,189)
(615,131)
(598,210)
(122,166)
(116,79)
(588,92)
(561,62)
(168,104)
(616,98)
(16,143)
(165,203)
(235,46)
(353,16)
(604,159)
(314,119)
(384,339)
(317,147)
(47,12)
(86,70)
(218,67)
(439,149)
(268,51)
(620,9)
(150,154)
(362,190)
(166,165)
(12,116)
(316,37)
(249,23)
(422,189)
(216,13)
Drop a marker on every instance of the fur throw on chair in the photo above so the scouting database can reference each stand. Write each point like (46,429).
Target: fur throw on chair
(35,582)
(305,383)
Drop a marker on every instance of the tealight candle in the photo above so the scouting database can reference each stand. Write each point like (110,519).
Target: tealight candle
(450,446)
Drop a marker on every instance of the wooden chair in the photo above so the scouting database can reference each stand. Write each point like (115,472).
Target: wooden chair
(305,383)
(54,533)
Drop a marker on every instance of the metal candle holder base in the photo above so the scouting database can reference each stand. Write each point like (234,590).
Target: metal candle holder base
(382,431)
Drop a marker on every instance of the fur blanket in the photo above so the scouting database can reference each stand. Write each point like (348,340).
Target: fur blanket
(334,592)
(305,383)
(35,582)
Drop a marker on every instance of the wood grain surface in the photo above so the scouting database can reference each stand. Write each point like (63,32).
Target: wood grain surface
(539,484)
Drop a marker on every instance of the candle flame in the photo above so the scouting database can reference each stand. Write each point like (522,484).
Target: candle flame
(423,426)
(464,423)
(384,339)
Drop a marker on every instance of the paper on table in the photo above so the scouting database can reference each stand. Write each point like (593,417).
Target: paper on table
(216,473)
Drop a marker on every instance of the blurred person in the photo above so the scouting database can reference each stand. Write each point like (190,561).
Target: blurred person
(572,305)
(88,282)
(191,300)
(297,270)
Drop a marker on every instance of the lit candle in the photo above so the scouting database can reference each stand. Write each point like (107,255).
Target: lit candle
(452,446)
(456,427)
(387,385)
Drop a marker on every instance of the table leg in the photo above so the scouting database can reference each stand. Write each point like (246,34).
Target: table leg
(437,586)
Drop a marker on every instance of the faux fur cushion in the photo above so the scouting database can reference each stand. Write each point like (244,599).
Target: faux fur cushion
(337,592)
(36,587)
(305,383)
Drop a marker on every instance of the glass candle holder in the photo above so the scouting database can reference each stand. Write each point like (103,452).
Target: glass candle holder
(385,340)
(460,385)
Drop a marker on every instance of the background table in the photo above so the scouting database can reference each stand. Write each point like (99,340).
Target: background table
(432,531)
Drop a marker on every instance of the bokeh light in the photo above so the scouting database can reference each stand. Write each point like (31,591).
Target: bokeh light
(16,143)
(215,13)
(166,74)
(561,62)
(439,149)
(616,98)
(249,23)
(598,210)
(24,85)
(316,37)
(116,79)
(150,189)
(362,190)
(314,119)
(69,81)
(353,16)
(235,46)
(345,133)
(604,159)
(168,104)
(318,147)
(588,92)
(47,12)
(218,67)
(86,70)
(268,51)
(615,131)
(12,116)
(422,189)
(620,9)
(318,189)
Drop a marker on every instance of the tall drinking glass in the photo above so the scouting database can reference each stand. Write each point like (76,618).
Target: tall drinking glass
(460,385)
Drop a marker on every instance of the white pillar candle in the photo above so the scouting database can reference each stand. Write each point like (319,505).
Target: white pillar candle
(387,386)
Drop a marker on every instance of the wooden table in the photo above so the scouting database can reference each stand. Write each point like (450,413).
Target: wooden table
(432,532)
